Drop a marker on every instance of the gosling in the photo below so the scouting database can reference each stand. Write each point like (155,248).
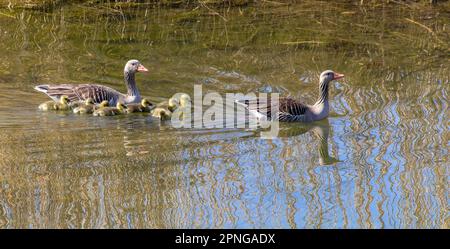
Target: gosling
(178,101)
(111,111)
(62,105)
(85,108)
(162,113)
(144,106)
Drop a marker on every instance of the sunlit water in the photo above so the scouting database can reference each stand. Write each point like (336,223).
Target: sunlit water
(379,161)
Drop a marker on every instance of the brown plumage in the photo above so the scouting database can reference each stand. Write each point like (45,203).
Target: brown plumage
(99,92)
(292,110)
(285,106)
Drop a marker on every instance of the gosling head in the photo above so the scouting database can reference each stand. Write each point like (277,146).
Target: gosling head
(184,100)
(328,75)
(121,106)
(89,101)
(145,102)
(104,103)
(64,99)
(179,100)
(173,104)
(164,115)
(134,66)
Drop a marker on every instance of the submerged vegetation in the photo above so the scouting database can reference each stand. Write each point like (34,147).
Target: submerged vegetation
(417,27)
(48,4)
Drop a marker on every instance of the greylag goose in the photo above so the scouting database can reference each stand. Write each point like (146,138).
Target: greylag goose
(111,111)
(144,106)
(292,110)
(86,108)
(61,105)
(99,92)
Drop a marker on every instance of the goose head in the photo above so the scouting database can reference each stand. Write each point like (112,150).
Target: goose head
(328,75)
(89,101)
(134,66)
(64,99)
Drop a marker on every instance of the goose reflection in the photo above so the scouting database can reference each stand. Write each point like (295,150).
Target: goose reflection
(320,130)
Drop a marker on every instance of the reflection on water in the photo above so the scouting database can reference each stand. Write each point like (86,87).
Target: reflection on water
(379,161)
(320,130)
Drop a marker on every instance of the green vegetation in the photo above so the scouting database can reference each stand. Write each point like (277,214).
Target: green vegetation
(49,4)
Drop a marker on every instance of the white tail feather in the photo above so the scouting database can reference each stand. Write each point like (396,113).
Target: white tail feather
(41,88)
(252,112)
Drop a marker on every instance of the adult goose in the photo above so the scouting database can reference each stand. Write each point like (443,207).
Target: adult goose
(292,110)
(99,92)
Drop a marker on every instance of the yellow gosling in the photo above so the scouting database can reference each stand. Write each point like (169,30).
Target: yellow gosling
(86,108)
(102,104)
(178,101)
(62,105)
(162,113)
(48,105)
(144,106)
(111,111)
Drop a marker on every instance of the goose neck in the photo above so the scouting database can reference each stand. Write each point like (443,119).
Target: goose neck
(131,84)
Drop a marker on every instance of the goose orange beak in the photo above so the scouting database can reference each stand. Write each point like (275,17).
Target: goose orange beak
(337,76)
(141,68)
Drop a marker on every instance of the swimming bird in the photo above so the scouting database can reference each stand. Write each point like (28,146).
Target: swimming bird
(180,100)
(86,108)
(103,104)
(292,110)
(144,106)
(177,100)
(161,113)
(61,105)
(99,92)
(111,111)
(76,104)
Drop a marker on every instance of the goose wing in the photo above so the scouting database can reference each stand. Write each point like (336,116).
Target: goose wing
(80,92)
(287,109)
